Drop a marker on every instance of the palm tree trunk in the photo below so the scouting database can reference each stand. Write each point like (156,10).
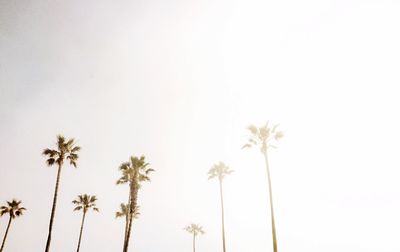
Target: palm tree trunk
(5,235)
(128,233)
(194,242)
(222,215)
(132,206)
(271,204)
(53,209)
(80,233)
(127,221)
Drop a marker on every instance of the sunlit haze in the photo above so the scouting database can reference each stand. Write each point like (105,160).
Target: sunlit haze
(179,82)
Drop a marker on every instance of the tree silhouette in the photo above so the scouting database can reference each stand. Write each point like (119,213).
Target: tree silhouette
(133,172)
(14,210)
(66,150)
(219,171)
(194,229)
(84,203)
(124,212)
(262,137)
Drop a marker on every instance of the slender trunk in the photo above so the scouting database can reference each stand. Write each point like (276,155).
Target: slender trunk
(222,215)
(127,221)
(5,235)
(128,234)
(271,204)
(80,233)
(132,206)
(194,243)
(53,209)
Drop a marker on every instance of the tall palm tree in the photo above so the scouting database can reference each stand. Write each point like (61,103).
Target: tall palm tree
(84,203)
(14,210)
(194,229)
(124,212)
(219,171)
(133,172)
(262,137)
(66,150)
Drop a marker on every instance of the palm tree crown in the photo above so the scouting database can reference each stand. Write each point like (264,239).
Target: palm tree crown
(134,171)
(65,149)
(195,229)
(85,202)
(124,211)
(219,170)
(12,208)
(262,136)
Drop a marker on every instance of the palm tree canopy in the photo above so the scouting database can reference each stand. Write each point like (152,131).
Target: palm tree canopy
(135,168)
(124,211)
(85,202)
(262,136)
(12,208)
(195,229)
(219,170)
(65,149)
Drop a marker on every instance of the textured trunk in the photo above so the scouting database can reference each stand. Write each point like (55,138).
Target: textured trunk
(53,209)
(126,222)
(222,216)
(194,243)
(134,191)
(5,235)
(271,204)
(80,233)
(128,234)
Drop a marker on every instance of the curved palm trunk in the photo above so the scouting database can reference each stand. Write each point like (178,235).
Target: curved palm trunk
(194,243)
(53,209)
(132,206)
(126,222)
(222,215)
(128,234)
(80,233)
(5,235)
(271,204)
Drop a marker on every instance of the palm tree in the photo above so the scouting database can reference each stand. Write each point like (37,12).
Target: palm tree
(261,137)
(66,150)
(133,172)
(14,210)
(194,229)
(124,212)
(84,203)
(220,170)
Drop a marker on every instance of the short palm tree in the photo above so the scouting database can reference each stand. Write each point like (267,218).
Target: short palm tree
(84,203)
(124,212)
(195,230)
(219,171)
(134,173)
(66,150)
(262,137)
(14,210)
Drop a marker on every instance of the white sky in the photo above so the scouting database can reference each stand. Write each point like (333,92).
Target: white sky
(179,81)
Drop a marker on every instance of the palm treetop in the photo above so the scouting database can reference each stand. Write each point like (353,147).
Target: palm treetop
(124,211)
(262,136)
(136,166)
(195,229)
(85,202)
(12,208)
(65,149)
(219,170)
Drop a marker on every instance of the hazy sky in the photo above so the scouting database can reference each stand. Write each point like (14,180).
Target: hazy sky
(179,81)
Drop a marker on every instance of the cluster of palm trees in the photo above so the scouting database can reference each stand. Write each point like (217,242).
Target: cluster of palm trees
(133,173)
(261,137)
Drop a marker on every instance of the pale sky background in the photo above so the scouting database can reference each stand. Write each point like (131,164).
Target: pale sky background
(179,81)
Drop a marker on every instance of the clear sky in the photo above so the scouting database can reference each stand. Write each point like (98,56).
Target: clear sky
(179,81)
